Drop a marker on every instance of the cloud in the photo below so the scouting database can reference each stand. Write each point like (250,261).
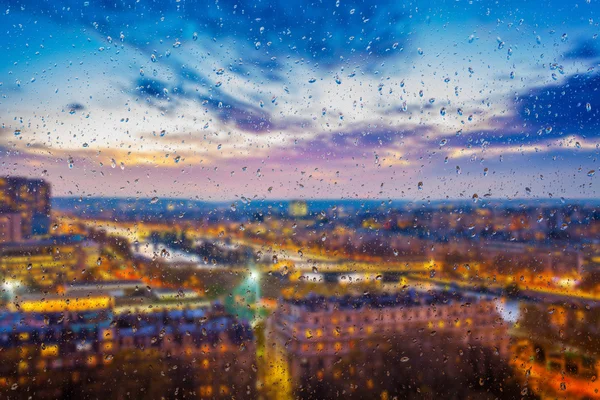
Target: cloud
(377,92)
(584,50)
(570,107)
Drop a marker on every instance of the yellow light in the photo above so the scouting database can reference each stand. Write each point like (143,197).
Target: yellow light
(66,304)
(49,350)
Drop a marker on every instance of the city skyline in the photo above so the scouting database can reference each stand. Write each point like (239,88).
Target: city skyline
(346,101)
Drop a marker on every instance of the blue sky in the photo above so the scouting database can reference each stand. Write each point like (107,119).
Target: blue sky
(331,99)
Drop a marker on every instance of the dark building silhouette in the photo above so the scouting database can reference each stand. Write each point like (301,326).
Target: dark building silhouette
(30,198)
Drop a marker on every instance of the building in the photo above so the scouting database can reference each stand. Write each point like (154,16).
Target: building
(555,349)
(316,332)
(82,346)
(298,209)
(10,227)
(30,198)
(49,261)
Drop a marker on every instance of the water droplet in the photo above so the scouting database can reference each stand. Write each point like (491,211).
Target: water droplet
(443,111)
(420,186)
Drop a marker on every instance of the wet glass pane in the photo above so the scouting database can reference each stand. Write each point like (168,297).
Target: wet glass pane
(299,199)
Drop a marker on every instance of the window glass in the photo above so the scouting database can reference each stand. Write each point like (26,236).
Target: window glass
(299,199)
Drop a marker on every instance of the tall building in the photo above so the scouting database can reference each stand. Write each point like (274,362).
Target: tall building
(10,227)
(30,198)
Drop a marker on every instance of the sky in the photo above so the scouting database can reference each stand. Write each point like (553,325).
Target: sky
(218,100)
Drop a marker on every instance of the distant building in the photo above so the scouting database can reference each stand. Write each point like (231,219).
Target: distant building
(49,261)
(30,198)
(298,208)
(10,227)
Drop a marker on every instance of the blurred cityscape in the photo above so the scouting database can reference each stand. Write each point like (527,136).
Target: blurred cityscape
(171,298)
